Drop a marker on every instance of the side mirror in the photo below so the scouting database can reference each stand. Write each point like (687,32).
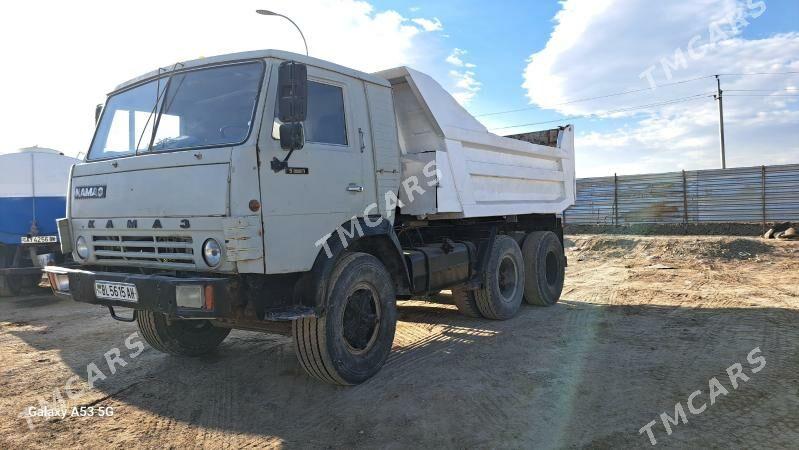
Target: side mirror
(98,111)
(292,136)
(292,91)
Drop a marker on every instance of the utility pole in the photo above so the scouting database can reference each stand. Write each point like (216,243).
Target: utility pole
(721,121)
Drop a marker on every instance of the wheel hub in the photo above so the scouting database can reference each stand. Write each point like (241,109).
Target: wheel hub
(552,268)
(361,319)
(508,278)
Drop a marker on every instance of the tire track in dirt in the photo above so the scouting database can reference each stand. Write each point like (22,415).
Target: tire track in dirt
(419,343)
(581,326)
(219,413)
(429,344)
(589,371)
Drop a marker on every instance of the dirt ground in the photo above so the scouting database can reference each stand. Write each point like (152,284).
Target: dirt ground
(643,323)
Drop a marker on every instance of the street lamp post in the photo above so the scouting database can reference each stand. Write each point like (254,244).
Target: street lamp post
(265,12)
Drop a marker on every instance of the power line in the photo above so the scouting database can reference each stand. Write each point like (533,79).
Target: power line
(757,73)
(633,91)
(716,95)
(763,90)
(614,111)
(763,95)
(615,94)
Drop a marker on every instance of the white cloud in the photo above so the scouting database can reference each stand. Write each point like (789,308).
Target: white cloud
(66,60)
(465,84)
(455,59)
(429,25)
(603,46)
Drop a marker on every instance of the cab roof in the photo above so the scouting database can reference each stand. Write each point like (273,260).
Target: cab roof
(255,55)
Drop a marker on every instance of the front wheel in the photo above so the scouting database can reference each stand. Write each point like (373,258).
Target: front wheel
(351,340)
(179,337)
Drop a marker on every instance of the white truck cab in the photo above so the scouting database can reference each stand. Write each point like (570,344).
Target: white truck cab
(277,192)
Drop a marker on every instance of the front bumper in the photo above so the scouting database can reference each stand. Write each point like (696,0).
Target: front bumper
(157,293)
(21,271)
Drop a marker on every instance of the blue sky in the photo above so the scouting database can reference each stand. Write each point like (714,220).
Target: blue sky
(499,54)
(484,32)
(480,52)
(499,40)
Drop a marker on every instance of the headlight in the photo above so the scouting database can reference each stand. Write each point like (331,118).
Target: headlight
(212,252)
(81,247)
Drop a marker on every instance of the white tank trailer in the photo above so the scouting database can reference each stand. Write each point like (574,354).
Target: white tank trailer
(276,192)
(33,185)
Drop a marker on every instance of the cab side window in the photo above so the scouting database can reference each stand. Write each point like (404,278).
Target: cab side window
(326,121)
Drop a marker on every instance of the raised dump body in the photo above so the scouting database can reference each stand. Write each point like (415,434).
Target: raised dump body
(480,173)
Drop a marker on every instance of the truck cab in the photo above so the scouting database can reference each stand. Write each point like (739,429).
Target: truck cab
(270,191)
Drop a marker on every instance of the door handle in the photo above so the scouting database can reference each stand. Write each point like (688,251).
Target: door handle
(352,187)
(360,136)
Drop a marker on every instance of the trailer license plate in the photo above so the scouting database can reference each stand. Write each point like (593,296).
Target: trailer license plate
(39,239)
(110,290)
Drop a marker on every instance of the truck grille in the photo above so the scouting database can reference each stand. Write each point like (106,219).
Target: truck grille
(161,250)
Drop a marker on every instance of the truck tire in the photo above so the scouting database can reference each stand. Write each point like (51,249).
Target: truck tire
(464,300)
(352,338)
(179,337)
(503,281)
(544,267)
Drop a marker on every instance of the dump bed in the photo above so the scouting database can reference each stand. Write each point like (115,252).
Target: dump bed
(480,174)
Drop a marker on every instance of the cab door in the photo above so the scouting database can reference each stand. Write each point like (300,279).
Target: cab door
(324,185)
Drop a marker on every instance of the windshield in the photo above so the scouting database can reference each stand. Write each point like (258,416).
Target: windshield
(201,108)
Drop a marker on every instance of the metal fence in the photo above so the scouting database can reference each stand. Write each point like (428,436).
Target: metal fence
(760,194)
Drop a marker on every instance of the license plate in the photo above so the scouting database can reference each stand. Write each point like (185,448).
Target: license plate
(116,291)
(39,239)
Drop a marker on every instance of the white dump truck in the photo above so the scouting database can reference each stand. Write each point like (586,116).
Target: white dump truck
(276,192)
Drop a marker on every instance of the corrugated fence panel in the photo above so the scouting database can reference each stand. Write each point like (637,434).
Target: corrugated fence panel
(654,198)
(782,193)
(729,195)
(594,203)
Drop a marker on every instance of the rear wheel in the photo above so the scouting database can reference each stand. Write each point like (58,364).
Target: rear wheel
(544,268)
(179,337)
(351,340)
(503,281)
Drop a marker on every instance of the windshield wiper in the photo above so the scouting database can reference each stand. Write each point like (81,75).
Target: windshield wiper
(158,94)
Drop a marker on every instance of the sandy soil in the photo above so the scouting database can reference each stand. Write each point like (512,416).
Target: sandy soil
(643,323)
